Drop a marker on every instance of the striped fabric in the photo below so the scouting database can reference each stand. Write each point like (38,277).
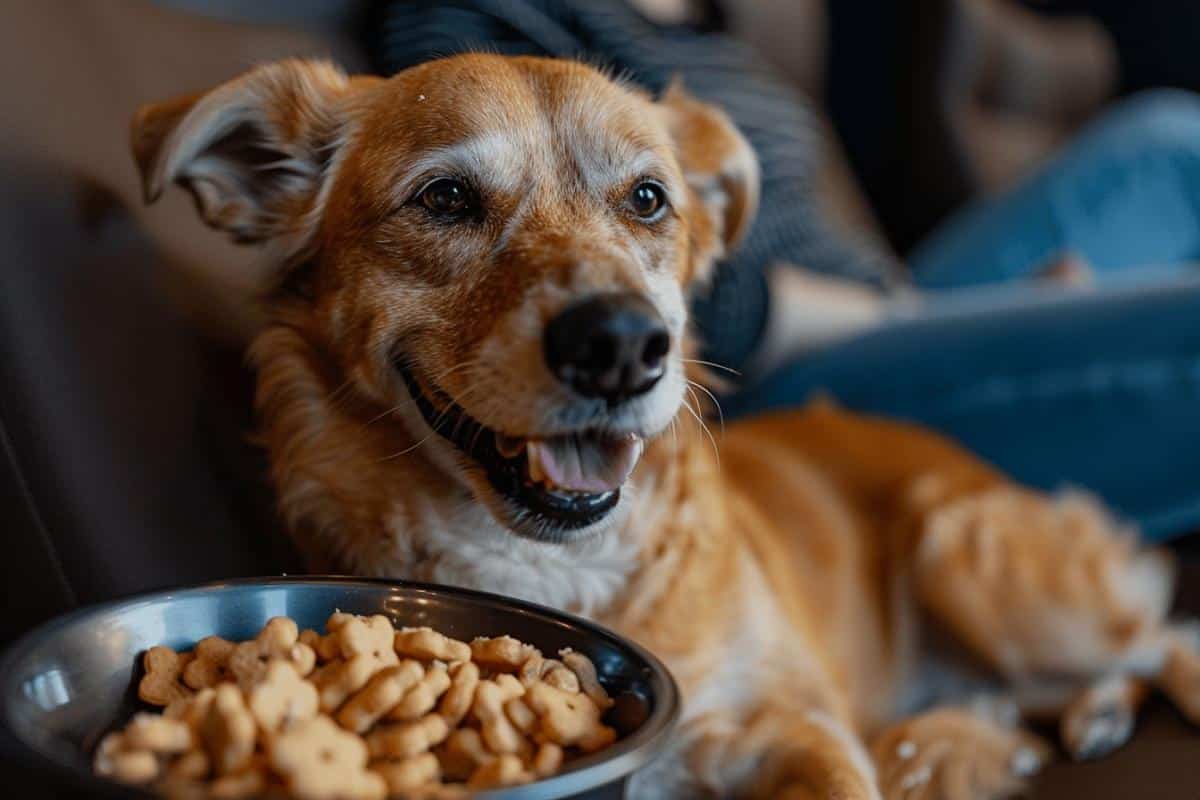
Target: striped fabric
(731,314)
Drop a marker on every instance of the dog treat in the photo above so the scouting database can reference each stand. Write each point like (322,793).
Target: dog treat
(549,670)
(366,647)
(191,710)
(548,760)
(463,753)
(362,711)
(422,697)
(116,759)
(373,636)
(502,654)
(320,761)
(412,773)
(191,766)
(509,685)
(506,770)
(250,782)
(407,739)
(325,646)
(383,693)
(163,682)
(282,697)
(211,663)
(429,645)
(499,734)
(280,639)
(158,734)
(229,730)
(569,719)
(456,702)
(520,715)
(585,671)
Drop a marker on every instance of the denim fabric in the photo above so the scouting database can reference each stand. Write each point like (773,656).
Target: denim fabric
(1126,193)
(1095,389)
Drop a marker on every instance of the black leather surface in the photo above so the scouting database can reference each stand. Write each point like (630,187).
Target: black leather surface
(124,464)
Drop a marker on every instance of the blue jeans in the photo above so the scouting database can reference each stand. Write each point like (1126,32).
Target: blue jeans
(1097,389)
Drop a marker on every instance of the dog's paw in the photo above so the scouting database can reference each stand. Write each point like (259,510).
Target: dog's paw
(1101,718)
(956,754)
(1180,676)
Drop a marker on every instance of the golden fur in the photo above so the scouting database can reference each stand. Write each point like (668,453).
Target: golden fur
(785,580)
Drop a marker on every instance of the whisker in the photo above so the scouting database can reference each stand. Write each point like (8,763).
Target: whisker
(463,417)
(711,364)
(475,439)
(433,427)
(713,397)
(380,416)
(408,449)
(426,437)
(707,432)
(471,363)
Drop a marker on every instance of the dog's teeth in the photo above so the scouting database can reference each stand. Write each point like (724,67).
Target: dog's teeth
(508,446)
(535,463)
(537,475)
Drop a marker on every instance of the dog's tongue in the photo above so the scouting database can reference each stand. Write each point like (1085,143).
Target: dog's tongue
(578,464)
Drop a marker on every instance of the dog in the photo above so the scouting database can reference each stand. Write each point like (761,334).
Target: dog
(477,371)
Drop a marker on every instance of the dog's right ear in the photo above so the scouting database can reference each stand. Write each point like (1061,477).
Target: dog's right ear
(252,152)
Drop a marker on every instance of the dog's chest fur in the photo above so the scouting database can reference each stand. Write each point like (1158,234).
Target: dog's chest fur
(373,502)
(467,548)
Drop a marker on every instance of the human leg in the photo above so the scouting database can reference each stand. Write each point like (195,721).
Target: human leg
(1125,193)
(1097,390)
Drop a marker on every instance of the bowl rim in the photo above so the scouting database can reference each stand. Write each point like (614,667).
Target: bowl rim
(629,754)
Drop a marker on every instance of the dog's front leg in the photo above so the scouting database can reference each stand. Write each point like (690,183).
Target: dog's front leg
(1053,590)
(781,753)
(816,758)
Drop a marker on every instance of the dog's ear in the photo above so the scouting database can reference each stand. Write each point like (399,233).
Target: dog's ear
(252,152)
(721,170)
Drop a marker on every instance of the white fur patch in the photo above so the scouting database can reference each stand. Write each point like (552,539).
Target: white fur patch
(497,160)
(582,577)
(466,547)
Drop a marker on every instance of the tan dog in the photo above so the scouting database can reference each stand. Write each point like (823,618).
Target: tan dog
(479,325)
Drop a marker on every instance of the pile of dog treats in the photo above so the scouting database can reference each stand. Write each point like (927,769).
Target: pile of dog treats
(363,712)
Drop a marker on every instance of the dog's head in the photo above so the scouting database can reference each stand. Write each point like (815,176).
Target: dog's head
(499,249)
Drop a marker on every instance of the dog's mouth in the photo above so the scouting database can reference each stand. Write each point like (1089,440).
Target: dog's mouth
(553,484)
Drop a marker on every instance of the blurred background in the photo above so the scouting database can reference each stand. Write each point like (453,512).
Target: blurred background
(983,215)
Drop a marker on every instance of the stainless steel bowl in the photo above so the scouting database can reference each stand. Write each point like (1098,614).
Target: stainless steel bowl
(68,682)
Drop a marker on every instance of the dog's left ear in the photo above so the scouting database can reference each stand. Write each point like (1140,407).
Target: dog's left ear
(721,171)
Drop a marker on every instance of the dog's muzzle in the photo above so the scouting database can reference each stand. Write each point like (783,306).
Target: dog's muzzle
(552,485)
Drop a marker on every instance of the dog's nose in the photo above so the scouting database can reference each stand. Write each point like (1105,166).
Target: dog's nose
(612,346)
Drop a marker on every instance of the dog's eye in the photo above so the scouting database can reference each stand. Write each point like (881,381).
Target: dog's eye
(647,199)
(446,197)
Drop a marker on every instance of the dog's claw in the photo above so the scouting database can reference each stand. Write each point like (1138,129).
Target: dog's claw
(1026,762)
(1096,734)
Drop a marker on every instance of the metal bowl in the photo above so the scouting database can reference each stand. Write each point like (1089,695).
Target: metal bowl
(67,683)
